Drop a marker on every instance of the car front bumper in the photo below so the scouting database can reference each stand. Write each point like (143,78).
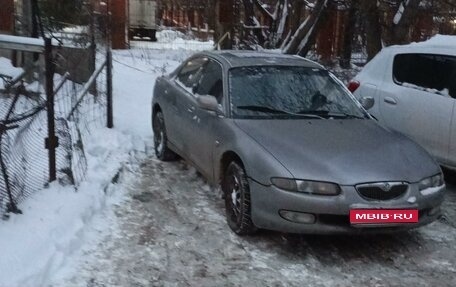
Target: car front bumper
(332,212)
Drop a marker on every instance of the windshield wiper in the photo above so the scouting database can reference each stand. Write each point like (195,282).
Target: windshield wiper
(269,110)
(325,113)
(345,116)
(262,109)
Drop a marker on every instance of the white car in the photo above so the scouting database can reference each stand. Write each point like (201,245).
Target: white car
(414,90)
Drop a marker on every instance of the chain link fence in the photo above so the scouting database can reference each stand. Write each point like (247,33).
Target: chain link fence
(46,121)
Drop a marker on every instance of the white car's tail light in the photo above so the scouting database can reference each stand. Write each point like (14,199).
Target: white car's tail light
(353,86)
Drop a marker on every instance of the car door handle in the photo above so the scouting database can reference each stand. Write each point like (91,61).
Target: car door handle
(390,101)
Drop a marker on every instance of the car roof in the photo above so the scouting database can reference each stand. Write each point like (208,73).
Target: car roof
(242,58)
(439,44)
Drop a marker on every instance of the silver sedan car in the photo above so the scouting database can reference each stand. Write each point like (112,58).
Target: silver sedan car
(291,148)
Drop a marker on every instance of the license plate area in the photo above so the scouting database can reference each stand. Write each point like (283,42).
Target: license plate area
(383,216)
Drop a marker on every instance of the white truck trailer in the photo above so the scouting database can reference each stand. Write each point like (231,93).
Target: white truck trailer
(142,19)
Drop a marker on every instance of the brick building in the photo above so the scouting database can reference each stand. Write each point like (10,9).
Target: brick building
(6,16)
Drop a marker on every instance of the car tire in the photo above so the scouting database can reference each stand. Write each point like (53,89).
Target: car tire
(161,148)
(237,200)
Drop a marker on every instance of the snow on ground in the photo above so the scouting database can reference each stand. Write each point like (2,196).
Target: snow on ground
(58,222)
(173,40)
(39,242)
(6,69)
(135,72)
(171,231)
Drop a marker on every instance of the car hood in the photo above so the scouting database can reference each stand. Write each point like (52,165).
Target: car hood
(346,152)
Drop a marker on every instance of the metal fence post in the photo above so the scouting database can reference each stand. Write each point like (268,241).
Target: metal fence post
(110,120)
(51,142)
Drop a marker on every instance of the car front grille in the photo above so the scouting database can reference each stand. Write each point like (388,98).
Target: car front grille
(382,190)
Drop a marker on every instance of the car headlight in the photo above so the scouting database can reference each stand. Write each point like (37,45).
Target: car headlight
(306,186)
(433,181)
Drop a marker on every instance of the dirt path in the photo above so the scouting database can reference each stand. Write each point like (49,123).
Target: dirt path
(172,232)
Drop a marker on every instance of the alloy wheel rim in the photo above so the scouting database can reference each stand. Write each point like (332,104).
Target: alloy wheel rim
(159,136)
(235,196)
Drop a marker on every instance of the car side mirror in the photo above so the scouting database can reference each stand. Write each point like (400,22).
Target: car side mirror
(208,103)
(367,102)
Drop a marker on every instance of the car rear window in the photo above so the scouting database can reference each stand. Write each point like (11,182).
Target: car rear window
(428,72)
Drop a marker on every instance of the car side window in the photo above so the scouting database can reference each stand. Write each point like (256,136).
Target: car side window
(211,82)
(427,72)
(191,72)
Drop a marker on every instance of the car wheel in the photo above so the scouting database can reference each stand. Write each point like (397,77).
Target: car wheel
(160,140)
(237,200)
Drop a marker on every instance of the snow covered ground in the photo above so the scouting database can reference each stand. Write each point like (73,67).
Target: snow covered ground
(173,40)
(171,231)
(137,221)
(58,221)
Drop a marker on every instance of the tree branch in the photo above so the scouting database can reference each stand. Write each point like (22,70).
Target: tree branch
(263,10)
(304,36)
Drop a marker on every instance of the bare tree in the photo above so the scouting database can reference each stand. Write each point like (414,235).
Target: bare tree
(276,20)
(224,23)
(348,34)
(249,13)
(296,14)
(252,26)
(373,29)
(399,31)
(304,37)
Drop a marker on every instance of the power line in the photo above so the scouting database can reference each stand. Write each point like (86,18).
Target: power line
(131,67)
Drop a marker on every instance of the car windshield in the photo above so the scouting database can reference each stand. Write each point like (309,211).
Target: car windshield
(289,92)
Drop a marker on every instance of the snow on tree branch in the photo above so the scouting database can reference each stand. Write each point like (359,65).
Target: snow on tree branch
(262,7)
(283,18)
(308,4)
(400,12)
(300,41)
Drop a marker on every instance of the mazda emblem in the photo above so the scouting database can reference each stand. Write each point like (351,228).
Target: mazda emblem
(386,187)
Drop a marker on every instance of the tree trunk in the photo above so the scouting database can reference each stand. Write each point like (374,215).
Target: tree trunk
(304,37)
(400,30)
(249,13)
(295,16)
(373,30)
(259,4)
(253,32)
(224,23)
(278,24)
(348,35)
(210,15)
